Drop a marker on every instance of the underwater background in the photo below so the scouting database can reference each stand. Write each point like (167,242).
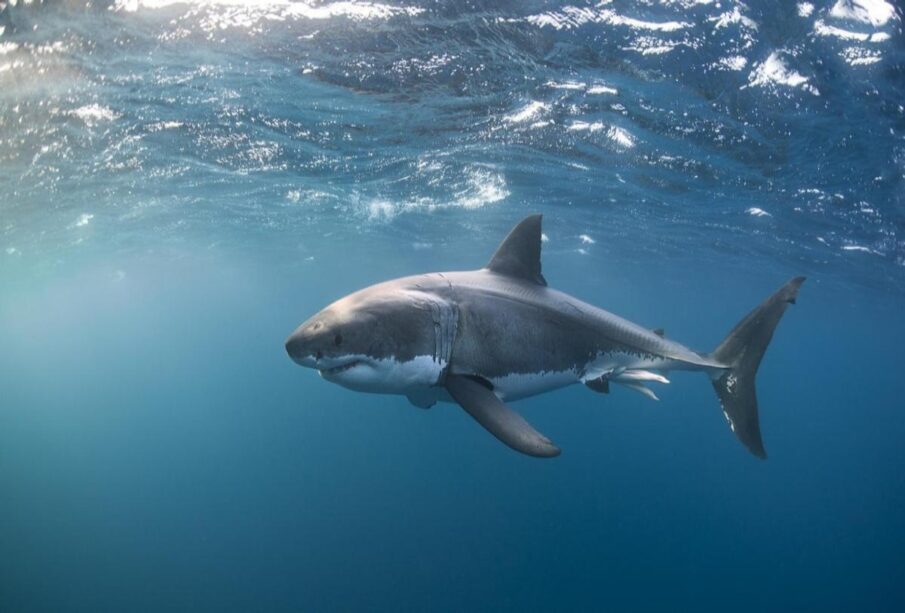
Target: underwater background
(181,184)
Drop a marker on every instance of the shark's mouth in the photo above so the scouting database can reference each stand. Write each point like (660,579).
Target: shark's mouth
(335,370)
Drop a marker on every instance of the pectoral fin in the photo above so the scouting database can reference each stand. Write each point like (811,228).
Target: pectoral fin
(508,426)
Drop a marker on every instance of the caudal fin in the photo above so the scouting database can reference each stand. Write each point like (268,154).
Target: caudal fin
(741,351)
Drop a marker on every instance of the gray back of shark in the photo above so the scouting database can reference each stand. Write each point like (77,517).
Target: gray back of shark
(484,337)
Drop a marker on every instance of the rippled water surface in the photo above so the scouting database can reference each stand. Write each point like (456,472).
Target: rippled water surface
(181,183)
(774,128)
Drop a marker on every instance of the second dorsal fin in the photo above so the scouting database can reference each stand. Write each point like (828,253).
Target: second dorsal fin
(519,253)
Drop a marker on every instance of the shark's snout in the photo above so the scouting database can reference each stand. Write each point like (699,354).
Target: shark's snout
(299,350)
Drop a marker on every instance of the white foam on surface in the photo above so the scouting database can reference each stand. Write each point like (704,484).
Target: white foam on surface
(381,209)
(164,125)
(757,212)
(618,135)
(874,12)
(858,56)
(805,9)
(821,29)
(621,136)
(584,126)
(611,17)
(49,48)
(569,17)
(646,45)
(596,90)
(773,71)
(572,17)
(572,85)
(482,187)
(274,9)
(214,16)
(733,62)
(860,249)
(93,114)
(733,17)
(586,240)
(530,111)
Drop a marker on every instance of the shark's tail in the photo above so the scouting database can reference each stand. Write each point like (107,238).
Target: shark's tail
(741,351)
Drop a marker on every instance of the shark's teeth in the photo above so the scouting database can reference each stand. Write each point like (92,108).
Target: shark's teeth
(334,370)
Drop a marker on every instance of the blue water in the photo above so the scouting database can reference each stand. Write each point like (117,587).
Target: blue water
(183,184)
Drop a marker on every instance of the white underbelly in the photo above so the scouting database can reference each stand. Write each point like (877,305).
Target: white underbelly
(523,385)
(510,387)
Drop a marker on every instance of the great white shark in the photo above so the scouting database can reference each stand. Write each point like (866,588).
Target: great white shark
(483,338)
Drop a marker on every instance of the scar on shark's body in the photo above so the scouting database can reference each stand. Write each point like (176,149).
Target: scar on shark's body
(485,337)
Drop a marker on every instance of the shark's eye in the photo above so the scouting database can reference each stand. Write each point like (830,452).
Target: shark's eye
(338,340)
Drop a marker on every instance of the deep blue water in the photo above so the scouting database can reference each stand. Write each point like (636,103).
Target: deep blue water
(182,184)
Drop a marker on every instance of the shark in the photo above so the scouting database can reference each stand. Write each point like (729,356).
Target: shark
(488,337)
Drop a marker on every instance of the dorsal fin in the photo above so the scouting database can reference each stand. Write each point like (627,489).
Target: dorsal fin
(519,253)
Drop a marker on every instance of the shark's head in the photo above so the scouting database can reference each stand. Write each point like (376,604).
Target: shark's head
(380,339)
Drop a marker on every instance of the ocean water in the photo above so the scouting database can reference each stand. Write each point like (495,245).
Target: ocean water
(181,184)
